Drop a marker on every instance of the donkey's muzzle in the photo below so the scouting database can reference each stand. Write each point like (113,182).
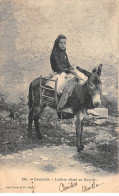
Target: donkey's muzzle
(96,104)
(96,101)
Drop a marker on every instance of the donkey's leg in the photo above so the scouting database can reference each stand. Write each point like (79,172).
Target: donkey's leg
(30,120)
(36,119)
(81,134)
(79,130)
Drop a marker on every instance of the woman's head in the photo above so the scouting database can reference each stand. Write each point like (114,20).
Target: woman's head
(60,42)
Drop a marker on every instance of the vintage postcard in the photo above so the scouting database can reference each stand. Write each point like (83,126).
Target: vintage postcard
(59,96)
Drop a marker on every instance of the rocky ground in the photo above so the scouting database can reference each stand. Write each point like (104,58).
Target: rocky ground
(59,138)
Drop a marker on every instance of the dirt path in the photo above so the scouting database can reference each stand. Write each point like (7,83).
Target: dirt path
(57,150)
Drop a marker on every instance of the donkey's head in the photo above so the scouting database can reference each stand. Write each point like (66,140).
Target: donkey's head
(94,84)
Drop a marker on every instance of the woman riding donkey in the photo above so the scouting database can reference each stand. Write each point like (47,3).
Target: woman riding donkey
(61,67)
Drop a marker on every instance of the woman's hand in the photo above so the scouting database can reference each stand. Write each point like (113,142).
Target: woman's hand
(73,72)
(71,68)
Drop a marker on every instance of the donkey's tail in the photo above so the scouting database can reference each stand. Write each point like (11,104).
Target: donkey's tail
(30,101)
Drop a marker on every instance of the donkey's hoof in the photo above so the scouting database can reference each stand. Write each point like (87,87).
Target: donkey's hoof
(81,147)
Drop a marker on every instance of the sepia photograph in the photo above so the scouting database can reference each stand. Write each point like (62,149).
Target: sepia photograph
(59,96)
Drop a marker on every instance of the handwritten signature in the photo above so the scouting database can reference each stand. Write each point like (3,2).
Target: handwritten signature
(92,186)
(63,187)
(85,188)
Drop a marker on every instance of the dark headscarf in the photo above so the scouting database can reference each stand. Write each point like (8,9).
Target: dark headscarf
(63,55)
(57,42)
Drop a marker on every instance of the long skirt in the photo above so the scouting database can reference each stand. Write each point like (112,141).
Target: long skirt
(63,78)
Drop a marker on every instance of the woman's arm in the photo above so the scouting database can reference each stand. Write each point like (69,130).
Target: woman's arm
(71,68)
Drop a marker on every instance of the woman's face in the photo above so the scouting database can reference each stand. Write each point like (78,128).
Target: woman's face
(62,44)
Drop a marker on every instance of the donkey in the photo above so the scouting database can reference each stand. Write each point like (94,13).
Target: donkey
(84,96)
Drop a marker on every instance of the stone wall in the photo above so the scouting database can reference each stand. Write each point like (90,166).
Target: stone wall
(28,31)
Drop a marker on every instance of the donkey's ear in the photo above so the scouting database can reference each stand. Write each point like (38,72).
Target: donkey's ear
(99,69)
(87,73)
(95,70)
